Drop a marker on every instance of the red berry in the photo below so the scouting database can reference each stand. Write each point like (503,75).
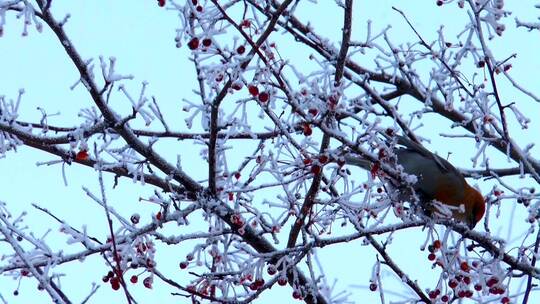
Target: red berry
(207,42)
(374,169)
(505,300)
(477,287)
(253,90)
(307,130)
(282,281)
(241,50)
(496,290)
(444,298)
(115,283)
(271,270)
(263,97)
(492,281)
(161,3)
(183,265)
(237,175)
(431,257)
(231,196)
(440,2)
(238,221)
(134,279)
(373,287)
(259,282)
(81,155)
(313,112)
(323,159)
(382,154)
(193,43)
(237,85)
(437,244)
(306,161)
(199,8)
(432,294)
(464,266)
(158,216)
(467,280)
(147,282)
(315,169)
(245,23)
(452,284)
(296,295)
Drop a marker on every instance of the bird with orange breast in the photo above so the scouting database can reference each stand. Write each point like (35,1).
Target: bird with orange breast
(437,180)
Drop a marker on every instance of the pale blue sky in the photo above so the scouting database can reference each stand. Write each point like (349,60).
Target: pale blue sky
(141,36)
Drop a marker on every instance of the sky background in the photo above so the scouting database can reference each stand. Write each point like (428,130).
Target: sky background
(141,37)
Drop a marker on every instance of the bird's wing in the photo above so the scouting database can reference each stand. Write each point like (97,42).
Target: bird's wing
(442,163)
(433,180)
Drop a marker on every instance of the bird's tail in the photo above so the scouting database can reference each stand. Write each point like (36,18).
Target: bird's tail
(403,141)
(358,161)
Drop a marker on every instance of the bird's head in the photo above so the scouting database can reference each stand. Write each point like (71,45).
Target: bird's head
(475,206)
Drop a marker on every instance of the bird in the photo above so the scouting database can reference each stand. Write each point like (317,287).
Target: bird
(437,179)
